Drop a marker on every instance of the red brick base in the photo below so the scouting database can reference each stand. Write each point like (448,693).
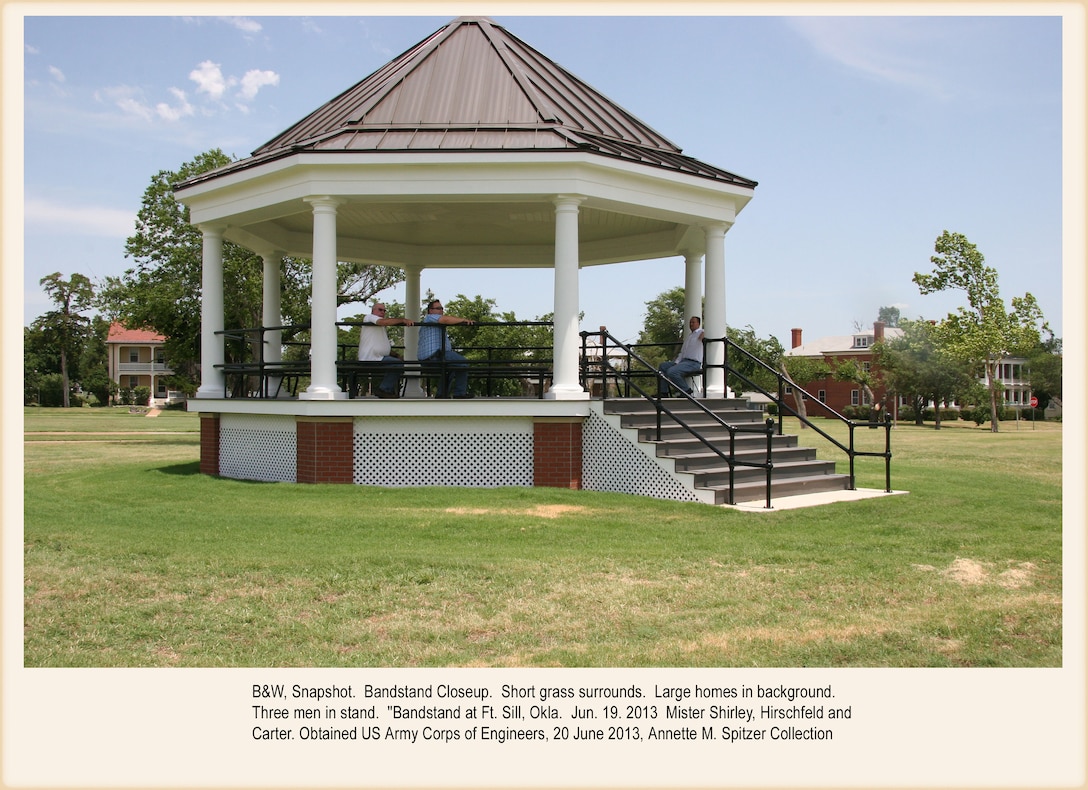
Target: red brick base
(324,450)
(557,453)
(209,444)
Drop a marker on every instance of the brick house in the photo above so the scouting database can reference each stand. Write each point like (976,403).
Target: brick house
(835,349)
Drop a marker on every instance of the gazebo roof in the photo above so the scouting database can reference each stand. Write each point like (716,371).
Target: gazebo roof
(453,154)
(473,86)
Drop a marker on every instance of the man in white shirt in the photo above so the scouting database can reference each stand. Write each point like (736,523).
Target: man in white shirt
(374,346)
(687,363)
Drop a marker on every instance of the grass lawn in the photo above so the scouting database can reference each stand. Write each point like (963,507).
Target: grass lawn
(132,558)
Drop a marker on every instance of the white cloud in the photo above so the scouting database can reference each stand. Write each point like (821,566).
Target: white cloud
(32,50)
(256,79)
(93,220)
(182,109)
(884,49)
(244,24)
(58,75)
(128,99)
(210,80)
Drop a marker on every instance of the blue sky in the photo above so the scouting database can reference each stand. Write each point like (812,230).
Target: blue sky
(868,136)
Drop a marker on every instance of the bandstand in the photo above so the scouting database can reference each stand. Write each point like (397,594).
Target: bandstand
(473,151)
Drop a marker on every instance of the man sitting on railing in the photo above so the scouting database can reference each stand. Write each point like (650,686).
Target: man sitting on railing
(435,346)
(688,362)
(374,346)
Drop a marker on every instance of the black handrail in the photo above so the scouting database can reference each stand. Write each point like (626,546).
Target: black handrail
(780,400)
(245,356)
(606,367)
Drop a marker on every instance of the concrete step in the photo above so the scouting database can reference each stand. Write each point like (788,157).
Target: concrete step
(681,442)
(754,491)
(698,461)
(781,474)
(634,405)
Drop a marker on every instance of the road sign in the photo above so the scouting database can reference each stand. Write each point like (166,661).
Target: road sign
(1034,402)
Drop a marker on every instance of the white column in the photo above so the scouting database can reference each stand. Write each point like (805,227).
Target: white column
(323,384)
(693,287)
(714,320)
(566,343)
(271,314)
(412,388)
(211,312)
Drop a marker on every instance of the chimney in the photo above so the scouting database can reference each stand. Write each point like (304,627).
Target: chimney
(796,337)
(878,331)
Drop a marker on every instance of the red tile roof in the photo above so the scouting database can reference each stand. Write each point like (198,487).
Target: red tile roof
(119,333)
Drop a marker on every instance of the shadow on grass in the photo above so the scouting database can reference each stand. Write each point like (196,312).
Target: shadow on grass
(185,470)
(192,469)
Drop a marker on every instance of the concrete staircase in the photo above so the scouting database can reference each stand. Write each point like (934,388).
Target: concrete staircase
(796,469)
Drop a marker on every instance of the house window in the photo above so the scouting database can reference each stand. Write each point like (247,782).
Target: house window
(866,366)
(160,356)
(861,341)
(822,395)
(854,398)
(160,390)
(134,355)
(133,382)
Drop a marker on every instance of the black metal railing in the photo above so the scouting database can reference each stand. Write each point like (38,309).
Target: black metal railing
(494,370)
(850,448)
(635,369)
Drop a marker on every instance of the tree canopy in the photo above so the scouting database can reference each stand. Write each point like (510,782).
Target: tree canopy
(984,331)
(65,328)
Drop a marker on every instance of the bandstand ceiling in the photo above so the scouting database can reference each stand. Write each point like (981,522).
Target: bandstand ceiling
(452,155)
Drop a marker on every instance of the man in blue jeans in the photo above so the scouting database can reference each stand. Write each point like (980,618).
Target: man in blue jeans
(435,346)
(688,362)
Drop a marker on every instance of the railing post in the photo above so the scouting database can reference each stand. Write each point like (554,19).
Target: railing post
(732,463)
(770,461)
(850,452)
(887,453)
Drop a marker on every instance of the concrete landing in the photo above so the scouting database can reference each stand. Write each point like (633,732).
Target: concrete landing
(811,500)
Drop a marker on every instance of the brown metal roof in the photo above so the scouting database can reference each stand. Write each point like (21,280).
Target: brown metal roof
(473,86)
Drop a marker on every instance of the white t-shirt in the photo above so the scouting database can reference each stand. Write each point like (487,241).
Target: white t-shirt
(693,347)
(373,340)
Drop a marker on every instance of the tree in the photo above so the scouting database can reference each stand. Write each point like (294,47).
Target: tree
(767,350)
(800,372)
(64,327)
(162,291)
(983,332)
(915,367)
(1045,366)
(662,327)
(889,316)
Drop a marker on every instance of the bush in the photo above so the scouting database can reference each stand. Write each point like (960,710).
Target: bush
(142,396)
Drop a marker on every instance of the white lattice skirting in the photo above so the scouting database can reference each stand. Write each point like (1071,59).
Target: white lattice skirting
(612,460)
(258,447)
(436,451)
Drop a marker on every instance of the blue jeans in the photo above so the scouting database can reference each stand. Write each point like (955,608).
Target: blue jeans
(676,373)
(456,368)
(391,379)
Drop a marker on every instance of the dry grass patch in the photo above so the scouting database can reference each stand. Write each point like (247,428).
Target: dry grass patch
(538,511)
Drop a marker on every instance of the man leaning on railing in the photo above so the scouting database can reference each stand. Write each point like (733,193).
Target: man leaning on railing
(434,346)
(374,346)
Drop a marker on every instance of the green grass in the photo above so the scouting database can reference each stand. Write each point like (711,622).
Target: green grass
(132,558)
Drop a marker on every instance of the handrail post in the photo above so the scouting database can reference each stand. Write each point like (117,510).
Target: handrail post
(887,452)
(853,484)
(732,462)
(770,462)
